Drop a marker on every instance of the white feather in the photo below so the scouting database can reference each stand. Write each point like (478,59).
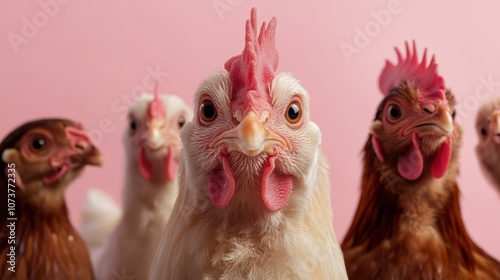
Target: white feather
(244,240)
(130,247)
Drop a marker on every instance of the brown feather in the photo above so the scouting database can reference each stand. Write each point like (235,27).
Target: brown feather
(46,244)
(378,246)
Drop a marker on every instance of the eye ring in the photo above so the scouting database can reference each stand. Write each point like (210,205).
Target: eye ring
(394,112)
(208,112)
(293,112)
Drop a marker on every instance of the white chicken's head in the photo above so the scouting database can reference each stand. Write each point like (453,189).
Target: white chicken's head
(488,148)
(251,143)
(152,138)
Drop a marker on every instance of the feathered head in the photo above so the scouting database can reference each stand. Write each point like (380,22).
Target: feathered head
(429,82)
(253,70)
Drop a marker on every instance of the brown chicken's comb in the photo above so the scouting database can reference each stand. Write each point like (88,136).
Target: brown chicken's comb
(253,70)
(426,78)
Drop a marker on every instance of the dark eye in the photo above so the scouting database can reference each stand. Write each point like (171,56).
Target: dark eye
(453,113)
(133,125)
(484,132)
(181,121)
(208,113)
(293,112)
(38,145)
(394,112)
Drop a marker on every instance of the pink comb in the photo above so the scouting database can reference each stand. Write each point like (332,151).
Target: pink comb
(430,84)
(156,110)
(253,70)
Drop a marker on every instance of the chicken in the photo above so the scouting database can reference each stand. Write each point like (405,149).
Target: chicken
(254,194)
(488,148)
(408,224)
(153,148)
(41,158)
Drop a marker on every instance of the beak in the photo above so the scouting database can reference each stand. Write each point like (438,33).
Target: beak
(82,154)
(440,122)
(250,137)
(495,126)
(94,157)
(155,137)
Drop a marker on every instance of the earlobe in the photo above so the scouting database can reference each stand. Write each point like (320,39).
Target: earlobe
(375,129)
(10,155)
(377,148)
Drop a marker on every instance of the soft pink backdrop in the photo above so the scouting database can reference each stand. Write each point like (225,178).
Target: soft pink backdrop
(90,53)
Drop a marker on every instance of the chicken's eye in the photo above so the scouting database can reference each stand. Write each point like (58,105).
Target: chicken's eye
(293,112)
(453,113)
(483,131)
(394,112)
(181,122)
(38,145)
(133,125)
(208,113)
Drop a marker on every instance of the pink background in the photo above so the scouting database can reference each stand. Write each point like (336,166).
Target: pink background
(89,53)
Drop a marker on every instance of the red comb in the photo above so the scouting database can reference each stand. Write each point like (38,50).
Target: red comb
(253,70)
(428,81)
(156,110)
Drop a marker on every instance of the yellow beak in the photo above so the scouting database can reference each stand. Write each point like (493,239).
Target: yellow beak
(250,137)
(439,122)
(495,122)
(495,125)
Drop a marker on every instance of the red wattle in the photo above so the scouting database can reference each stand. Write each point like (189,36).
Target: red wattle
(144,166)
(411,163)
(221,184)
(442,159)
(276,188)
(171,165)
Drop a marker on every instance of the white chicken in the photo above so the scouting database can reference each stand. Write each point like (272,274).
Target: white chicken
(254,192)
(153,150)
(488,147)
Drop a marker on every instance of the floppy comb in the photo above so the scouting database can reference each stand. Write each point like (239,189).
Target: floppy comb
(253,70)
(425,77)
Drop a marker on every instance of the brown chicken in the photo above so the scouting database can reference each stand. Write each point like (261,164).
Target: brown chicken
(408,223)
(488,148)
(40,159)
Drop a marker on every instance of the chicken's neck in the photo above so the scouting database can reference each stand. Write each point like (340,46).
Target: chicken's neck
(41,236)
(395,210)
(154,199)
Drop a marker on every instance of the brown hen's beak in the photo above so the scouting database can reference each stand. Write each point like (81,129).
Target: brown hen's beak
(439,122)
(495,126)
(249,137)
(94,157)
